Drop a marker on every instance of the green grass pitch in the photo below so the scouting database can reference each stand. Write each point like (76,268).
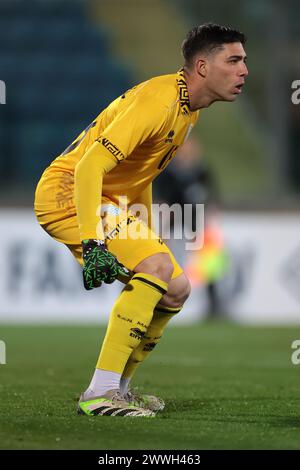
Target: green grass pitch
(226,387)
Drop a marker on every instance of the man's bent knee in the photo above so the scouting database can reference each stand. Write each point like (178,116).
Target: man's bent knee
(159,265)
(178,292)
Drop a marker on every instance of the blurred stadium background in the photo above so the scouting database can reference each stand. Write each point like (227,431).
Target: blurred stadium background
(63,61)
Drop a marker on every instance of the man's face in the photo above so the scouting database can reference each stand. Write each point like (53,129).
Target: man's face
(226,71)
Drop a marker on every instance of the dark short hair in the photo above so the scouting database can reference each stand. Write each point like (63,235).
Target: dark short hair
(207,38)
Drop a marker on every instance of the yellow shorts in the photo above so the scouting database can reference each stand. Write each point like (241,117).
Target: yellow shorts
(61,224)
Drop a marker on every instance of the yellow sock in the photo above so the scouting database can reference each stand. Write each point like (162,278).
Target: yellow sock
(129,320)
(161,316)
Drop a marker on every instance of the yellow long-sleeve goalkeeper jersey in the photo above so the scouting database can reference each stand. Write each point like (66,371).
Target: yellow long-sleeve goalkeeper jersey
(132,141)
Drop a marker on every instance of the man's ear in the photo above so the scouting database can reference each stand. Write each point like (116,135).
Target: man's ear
(201,67)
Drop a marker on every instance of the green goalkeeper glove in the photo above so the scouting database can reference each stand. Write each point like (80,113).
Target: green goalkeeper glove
(99,265)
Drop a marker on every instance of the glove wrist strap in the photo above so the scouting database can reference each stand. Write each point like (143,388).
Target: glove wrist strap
(93,242)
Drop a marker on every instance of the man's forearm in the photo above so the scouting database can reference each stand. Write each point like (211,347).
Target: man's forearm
(89,174)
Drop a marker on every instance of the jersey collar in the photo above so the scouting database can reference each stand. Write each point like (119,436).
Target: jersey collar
(183,93)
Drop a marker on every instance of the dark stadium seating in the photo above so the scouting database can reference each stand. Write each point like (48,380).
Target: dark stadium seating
(59,74)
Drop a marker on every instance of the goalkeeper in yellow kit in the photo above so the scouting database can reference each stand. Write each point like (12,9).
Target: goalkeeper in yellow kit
(117,156)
